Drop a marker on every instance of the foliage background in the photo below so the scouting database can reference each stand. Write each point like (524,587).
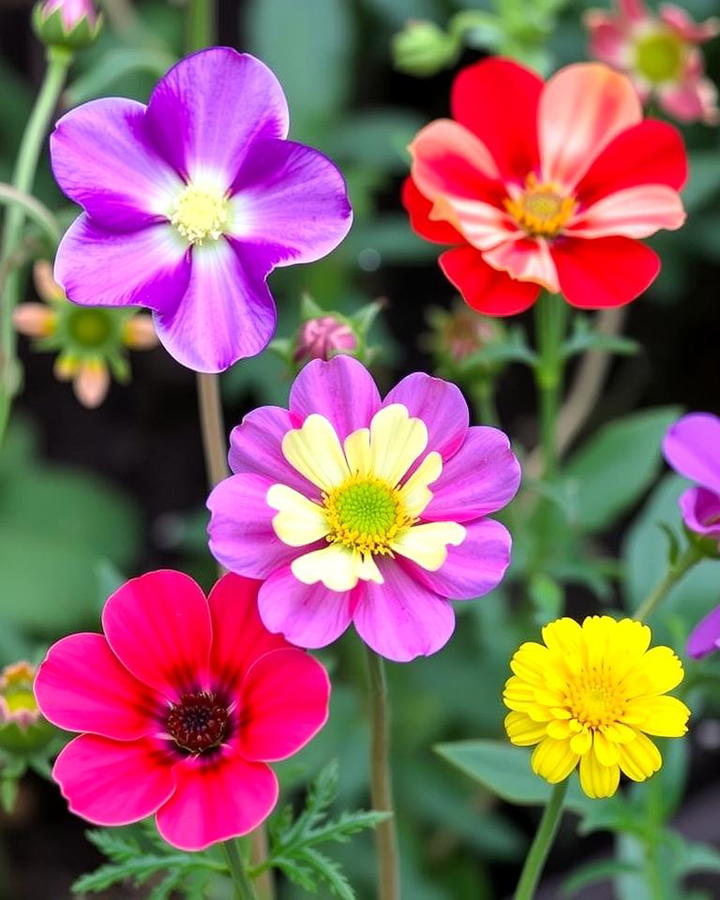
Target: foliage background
(87,498)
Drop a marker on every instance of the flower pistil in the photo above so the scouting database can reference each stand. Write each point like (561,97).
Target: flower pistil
(540,209)
(200,213)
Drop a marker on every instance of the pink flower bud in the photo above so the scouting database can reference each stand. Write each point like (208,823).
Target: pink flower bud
(72,12)
(323,338)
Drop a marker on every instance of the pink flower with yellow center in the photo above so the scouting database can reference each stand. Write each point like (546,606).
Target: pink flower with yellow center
(366,510)
(545,185)
(660,53)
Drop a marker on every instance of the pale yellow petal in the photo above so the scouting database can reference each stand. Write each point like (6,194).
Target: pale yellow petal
(396,441)
(639,759)
(299,521)
(415,493)
(427,544)
(598,780)
(314,450)
(139,333)
(553,760)
(522,731)
(357,451)
(368,570)
(335,566)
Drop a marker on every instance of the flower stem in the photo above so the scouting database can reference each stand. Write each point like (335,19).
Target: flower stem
(482,393)
(551,316)
(213,428)
(200,24)
(544,837)
(58,62)
(675,572)
(380,781)
(242,884)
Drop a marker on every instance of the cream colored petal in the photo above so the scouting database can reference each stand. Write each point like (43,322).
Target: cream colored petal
(91,384)
(299,521)
(315,451)
(139,333)
(396,441)
(414,493)
(34,320)
(335,566)
(427,544)
(368,570)
(357,451)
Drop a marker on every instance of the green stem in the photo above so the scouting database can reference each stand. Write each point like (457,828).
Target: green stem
(200,25)
(482,392)
(380,780)
(544,837)
(58,62)
(33,209)
(242,884)
(675,572)
(551,316)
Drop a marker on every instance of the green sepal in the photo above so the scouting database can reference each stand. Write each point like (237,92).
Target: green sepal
(51,30)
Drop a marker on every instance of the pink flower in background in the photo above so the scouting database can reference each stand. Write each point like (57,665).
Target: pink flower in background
(660,53)
(183,701)
(365,510)
(191,201)
(72,12)
(322,338)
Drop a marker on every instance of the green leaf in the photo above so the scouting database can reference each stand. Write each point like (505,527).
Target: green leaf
(594,873)
(697,857)
(613,470)
(547,597)
(704,182)
(377,138)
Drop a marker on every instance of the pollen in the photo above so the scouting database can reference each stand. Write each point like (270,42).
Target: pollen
(200,214)
(198,722)
(541,209)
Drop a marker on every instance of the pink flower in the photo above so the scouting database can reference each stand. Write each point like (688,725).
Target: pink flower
(331,502)
(322,338)
(183,701)
(72,12)
(660,53)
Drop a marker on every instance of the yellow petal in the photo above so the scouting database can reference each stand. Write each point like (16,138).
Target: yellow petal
(335,566)
(660,716)
(396,441)
(659,670)
(299,521)
(427,544)
(314,450)
(531,661)
(139,333)
(414,493)
(598,780)
(560,730)
(522,731)
(605,750)
(581,742)
(553,760)
(639,759)
(357,451)
(563,635)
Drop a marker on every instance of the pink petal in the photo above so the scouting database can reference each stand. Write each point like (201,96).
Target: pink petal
(227,312)
(35,320)
(633,10)
(692,100)
(136,268)
(402,619)
(114,782)
(582,108)
(240,529)
(701,511)
(340,389)
(92,383)
(485,289)
(439,404)
(309,615)
(239,636)
(216,798)
(475,567)
(292,201)
(705,636)
(635,212)
(482,477)
(81,686)
(526,260)
(158,626)
(691,447)
(609,42)
(104,160)
(208,110)
(689,30)
(285,698)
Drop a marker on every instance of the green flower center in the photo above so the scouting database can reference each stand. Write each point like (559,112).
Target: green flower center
(659,56)
(200,213)
(365,514)
(90,327)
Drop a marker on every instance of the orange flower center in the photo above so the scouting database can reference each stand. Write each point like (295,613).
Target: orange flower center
(541,210)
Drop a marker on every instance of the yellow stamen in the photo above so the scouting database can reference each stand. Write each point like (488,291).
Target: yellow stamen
(541,210)
(200,213)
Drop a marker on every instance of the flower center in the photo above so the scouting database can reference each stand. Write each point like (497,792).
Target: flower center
(200,213)
(198,722)
(541,209)
(595,700)
(365,513)
(16,688)
(659,56)
(89,327)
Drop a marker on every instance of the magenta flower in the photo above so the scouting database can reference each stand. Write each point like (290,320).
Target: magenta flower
(692,447)
(183,701)
(359,509)
(191,201)
(660,53)
(322,338)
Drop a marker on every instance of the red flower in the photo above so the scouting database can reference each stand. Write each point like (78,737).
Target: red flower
(184,701)
(545,185)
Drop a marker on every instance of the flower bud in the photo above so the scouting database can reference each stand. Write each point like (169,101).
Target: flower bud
(423,48)
(22,727)
(322,338)
(71,24)
(462,332)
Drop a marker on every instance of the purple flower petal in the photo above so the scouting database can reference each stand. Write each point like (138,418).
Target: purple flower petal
(148,267)
(692,448)
(240,529)
(705,636)
(482,477)
(439,404)
(290,199)
(476,566)
(227,312)
(341,389)
(402,619)
(209,108)
(103,160)
(701,511)
(308,615)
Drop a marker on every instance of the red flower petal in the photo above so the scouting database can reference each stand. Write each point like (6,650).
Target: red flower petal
(486,289)
(284,704)
(498,100)
(418,207)
(605,272)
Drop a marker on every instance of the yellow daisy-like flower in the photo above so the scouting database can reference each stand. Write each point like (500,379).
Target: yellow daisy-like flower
(591,695)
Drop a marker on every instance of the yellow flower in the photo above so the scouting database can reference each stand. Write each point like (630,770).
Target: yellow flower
(591,694)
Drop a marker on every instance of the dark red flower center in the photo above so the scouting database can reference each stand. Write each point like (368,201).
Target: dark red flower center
(198,722)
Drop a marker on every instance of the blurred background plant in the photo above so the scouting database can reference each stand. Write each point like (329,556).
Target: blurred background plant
(89,497)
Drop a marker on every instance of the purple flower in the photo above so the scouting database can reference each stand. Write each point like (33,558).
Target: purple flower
(692,448)
(705,636)
(367,510)
(191,201)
